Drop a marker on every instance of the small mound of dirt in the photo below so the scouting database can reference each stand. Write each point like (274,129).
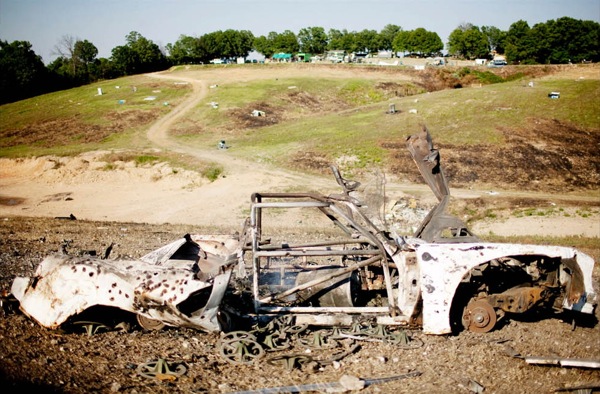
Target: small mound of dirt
(304,100)
(255,115)
(122,120)
(313,161)
(434,79)
(399,89)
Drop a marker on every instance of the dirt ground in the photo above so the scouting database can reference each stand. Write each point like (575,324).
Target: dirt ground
(140,208)
(71,361)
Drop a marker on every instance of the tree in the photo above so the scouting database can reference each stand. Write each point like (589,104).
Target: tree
(237,43)
(85,51)
(22,72)
(65,48)
(124,60)
(588,47)
(210,45)
(74,61)
(148,53)
(340,40)
(401,42)
(424,42)
(518,45)
(286,42)
(335,39)
(103,69)
(387,35)
(467,41)
(495,37)
(139,55)
(263,45)
(312,39)
(274,42)
(185,50)
(476,44)
(366,41)
(569,40)
(228,44)
(85,54)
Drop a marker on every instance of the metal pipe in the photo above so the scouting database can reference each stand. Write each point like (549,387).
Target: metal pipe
(285,253)
(328,309)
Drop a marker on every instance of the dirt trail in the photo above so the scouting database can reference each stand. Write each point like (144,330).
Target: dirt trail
(158,134)
(52,186)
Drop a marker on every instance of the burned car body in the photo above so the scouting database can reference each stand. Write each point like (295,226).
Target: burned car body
(442,278)
(180,284)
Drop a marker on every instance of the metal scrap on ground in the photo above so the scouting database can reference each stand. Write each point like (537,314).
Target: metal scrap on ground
(345,384)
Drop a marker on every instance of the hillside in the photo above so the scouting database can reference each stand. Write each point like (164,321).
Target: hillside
(152,140)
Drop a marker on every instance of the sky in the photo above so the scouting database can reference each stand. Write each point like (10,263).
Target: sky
(106,23)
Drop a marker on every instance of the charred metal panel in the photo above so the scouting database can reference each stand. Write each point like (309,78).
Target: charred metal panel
(444,266)
(153,286)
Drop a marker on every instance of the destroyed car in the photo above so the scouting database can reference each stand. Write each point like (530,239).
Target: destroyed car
(442,278)
(180,284)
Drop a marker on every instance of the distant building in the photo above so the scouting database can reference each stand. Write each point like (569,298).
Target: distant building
(335,56)
(303,57)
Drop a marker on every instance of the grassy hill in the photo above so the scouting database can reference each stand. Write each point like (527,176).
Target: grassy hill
(500,128)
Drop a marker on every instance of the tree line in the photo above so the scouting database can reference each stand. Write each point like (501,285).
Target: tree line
(23,73)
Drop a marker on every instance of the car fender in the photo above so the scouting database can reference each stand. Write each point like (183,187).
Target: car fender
(443,266)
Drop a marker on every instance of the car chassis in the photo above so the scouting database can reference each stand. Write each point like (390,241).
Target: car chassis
(443,278)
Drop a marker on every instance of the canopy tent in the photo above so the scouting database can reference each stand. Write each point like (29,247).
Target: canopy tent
(282,56)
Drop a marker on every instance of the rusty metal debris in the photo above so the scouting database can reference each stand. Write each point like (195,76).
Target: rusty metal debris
(563,362)
(346,383)
(475,387)
(8,303)
(241,351)
(554,360)
(92,327)
(442,278)
(290,361)
(250,347)
(165,287)
(161,370)
(580,388)
(70,217)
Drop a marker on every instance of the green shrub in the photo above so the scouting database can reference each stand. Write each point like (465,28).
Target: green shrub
(145,159)
(212,173)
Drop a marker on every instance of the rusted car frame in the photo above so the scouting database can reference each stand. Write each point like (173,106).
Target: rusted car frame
(370,275)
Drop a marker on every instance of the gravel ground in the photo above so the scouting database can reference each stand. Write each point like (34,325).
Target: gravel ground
(69,360)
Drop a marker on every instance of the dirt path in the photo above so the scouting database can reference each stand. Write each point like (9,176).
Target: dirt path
(158,132)
(53,186)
